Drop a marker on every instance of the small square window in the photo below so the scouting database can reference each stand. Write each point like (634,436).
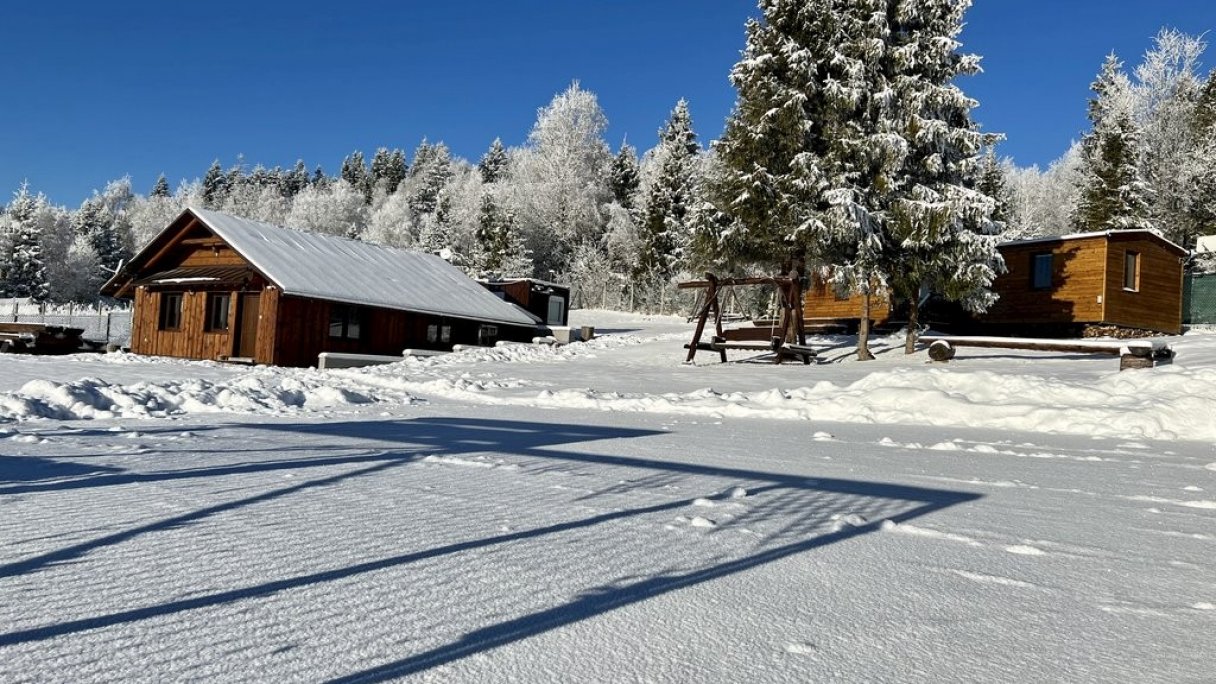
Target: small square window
(432,333)
(1041,266)
(170,311)
(346,322)
(1131,271)
(218,305)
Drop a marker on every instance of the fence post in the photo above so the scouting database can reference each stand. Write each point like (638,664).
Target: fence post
(108,314)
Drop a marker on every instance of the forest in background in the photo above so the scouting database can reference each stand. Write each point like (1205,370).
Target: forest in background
(623,226)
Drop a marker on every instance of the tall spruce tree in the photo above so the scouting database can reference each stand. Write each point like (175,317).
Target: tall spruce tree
(215,186)
(665,226)
(625,176)
(430,173)
(388,169)
(354,171)
(161,189)
(493,164)
(850,144)
(938,231)
(1112,189)
(24,266)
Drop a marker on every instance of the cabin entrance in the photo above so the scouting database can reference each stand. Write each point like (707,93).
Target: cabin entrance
(247,325)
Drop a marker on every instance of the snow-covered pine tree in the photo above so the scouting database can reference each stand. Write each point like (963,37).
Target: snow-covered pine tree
(850,142)
(319,179)
(354,172)
(994,183)
(295,180)
(625,176)
(24,266)
(936,222)
(1113,193)
(493,164)
(215,186)
(430,173)
(672,191)
(389,169)
(161,188)
(94,222)
(499,248)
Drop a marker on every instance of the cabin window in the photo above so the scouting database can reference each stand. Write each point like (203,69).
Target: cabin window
(432,333)
(1131,271)
(557,306)
(170,311)
(1040,271)
(218,305)
(346,322)
(445,333)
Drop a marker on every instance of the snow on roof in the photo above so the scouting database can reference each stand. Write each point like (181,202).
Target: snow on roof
(341,270)
(1094,234)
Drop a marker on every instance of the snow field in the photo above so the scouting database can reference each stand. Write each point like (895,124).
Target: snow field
(479,517)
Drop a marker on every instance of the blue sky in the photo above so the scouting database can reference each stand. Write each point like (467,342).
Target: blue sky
(93,91)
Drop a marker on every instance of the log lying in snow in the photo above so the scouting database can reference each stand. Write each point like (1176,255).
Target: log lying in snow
(1132,353)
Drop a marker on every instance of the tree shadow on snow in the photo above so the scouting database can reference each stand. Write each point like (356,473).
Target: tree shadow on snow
(804,513)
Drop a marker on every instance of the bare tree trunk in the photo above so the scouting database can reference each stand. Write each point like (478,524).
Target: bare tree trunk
(863,330)
(913,324)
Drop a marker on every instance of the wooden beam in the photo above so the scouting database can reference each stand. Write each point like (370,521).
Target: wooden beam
(724,282)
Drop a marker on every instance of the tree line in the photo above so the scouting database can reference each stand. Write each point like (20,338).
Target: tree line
(851,153)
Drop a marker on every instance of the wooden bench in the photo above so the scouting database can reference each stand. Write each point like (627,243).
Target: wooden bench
(1131,353)
(801,352)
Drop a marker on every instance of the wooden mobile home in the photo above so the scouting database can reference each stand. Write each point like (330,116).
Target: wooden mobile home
(1126,278)
(1055,286)
(214,286)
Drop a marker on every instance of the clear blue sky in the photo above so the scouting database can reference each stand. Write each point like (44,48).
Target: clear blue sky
(92,91)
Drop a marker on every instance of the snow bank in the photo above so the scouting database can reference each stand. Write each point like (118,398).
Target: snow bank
(1167,403)
(267,392)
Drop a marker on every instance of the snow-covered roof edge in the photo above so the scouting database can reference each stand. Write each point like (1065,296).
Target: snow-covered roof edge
(1095,234)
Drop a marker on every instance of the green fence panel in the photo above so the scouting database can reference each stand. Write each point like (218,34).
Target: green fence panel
(1199,298)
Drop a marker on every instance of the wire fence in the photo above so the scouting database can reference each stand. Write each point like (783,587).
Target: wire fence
(1199,299)
(101,322)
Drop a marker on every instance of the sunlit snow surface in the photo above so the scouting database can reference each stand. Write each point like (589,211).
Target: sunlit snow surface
(601,512)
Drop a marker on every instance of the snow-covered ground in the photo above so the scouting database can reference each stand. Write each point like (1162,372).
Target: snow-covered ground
(602,512)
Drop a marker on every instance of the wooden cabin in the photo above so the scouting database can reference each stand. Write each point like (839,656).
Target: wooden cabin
(549,302)
(1054,286)
(1126,278)
(215,286)
(821,303)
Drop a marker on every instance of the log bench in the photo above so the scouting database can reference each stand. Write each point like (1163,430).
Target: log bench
(1131,353)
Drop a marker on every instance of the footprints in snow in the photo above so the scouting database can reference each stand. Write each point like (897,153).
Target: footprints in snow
(726,505)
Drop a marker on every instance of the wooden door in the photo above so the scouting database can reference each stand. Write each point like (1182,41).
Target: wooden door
(247,326)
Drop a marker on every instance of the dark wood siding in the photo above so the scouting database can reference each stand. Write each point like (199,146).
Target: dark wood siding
(1157,302)
(302,332)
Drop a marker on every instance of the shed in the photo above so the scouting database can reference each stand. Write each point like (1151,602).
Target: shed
(215,286)
(1125,278)
(547,301)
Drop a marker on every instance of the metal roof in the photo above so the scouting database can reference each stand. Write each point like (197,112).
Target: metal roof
(1096,234)
(353,272)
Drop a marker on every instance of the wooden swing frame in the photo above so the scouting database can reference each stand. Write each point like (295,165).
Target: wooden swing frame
(790,340)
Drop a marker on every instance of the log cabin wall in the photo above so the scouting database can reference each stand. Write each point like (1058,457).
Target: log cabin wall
(1156,302)
(821,301)
(303,332)
(190,340)
(1077,284)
